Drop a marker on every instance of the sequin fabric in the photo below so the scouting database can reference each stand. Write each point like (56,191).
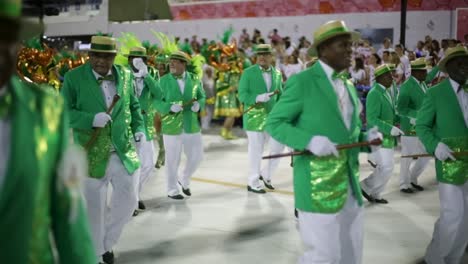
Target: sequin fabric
(454,172)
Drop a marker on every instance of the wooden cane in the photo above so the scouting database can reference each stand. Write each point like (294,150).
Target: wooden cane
(193,100)
(374,142)
(257,104)
(456,154)
(97,130)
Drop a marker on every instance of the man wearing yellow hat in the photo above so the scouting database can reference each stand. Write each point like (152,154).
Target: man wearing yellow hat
(147,91)
(380,112)
(90,91)
(442,126)
(183,98)
(409,101)
(318,110)
(40,179)
(259,89)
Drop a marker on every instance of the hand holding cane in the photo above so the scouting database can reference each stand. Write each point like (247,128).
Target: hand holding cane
(257,104)
(374,142)
(96,131)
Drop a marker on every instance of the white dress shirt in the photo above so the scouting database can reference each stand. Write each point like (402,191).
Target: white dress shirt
(107,87)
(4,143)
(462,97)
(344,100)
(267,78)
(139,84)
(181,83)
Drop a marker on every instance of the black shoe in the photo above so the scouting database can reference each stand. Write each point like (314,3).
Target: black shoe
(250,189)
(373,165)
(417,187)
(267,184)
(407,190)
(141,205)
(296,213)
(176,197)
(185,191)
(368,197)
(108,257)
(135,213)
(380,201)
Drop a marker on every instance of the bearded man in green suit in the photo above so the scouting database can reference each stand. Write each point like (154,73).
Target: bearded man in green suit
(259,89)
(380,112)
(147,91)
(40,196)
(318,110)
(409,101)
(442,126)
(183,98)
(89,91)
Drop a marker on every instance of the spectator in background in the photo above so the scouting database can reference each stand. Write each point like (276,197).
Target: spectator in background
(400,50)
(304,47)
(273,36)
(452,43)
(195,44)
(208,85)
(466,40)
(399,75)
(419,51)
(257,35)
(289,46)
(373,62)
(411,55)
(387,46)
(428,38)
(358,72)
(291,67)
(244,37)
(444,45)
(386,58)
(436,50)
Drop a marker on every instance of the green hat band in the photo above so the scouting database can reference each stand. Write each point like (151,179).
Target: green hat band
(107,47)
(332,32)
(418,67)
(137,53)
(382,71)
(263,50)
(178,57)
(10,9)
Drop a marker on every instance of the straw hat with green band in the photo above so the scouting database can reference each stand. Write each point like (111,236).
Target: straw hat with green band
(330,30)
(10,13)
(263,49)
(137,52)
(381,70)
(180,55)
(162,58)
(391,66)
(419,64)
(451,53)
(103,44)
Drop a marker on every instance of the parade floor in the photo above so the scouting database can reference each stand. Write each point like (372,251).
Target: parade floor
(223,223)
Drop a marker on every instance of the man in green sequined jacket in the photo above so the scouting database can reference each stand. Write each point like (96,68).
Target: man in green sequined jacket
(148,93)
(442,126)
(380,112)
(259,88)
(89,91)
(40,199)
(318,110)
(183,98)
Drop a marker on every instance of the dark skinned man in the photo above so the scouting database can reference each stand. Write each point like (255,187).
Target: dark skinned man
(318,110)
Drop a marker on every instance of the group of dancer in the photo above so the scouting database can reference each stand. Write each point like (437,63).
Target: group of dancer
(117,110)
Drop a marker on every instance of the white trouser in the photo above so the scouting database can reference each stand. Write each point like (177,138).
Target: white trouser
(107,223)
(148,159)
(378,179)
(333,238)
(206,120)
(450,236)
(193,149)
(257,141)
(411,146)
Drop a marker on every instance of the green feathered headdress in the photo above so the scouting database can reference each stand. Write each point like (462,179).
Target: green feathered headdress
(126,42)
(227,35)
(168,44)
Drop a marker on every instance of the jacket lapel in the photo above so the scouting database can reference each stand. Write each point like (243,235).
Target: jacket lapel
(94,86)
(188,93)
(260,81)
(327,89)
(119,86)
(354,100)
(452,98)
